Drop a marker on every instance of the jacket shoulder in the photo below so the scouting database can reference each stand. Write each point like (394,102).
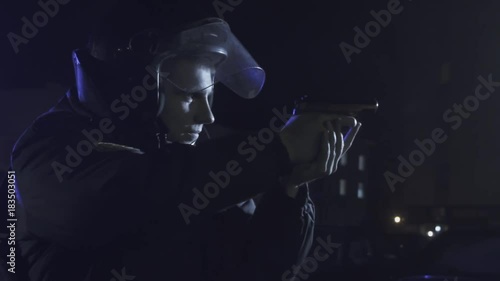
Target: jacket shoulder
(50,125)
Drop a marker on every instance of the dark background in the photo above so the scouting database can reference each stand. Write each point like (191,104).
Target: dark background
(427,59)
(424,61)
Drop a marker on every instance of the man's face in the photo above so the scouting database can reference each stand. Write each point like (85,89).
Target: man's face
(187,109)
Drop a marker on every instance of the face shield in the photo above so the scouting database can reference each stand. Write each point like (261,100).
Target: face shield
(209,42)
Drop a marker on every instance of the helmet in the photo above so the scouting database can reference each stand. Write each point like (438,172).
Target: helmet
(212,38)
(134,71)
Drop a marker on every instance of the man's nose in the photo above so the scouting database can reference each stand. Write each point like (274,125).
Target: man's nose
(205,115)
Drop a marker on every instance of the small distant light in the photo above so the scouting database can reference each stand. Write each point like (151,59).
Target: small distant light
(430,233)
(437,228)
(361,162)
(397,219)
(361,190)
(342,187)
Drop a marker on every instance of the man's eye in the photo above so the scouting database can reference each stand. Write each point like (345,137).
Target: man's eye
(185,96)
(189,97)
(197,96)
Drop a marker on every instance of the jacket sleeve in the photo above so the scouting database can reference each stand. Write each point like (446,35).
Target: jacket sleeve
(281,234)
(230,171)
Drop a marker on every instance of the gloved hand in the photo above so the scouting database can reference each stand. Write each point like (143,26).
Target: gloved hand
(315,144)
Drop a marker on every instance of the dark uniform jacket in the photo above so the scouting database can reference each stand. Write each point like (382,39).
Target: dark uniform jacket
(124,209)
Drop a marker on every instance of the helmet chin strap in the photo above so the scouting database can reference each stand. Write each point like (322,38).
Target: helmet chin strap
(161,133)
(206,132)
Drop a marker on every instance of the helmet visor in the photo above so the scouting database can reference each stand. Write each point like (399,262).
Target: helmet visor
(213,45)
